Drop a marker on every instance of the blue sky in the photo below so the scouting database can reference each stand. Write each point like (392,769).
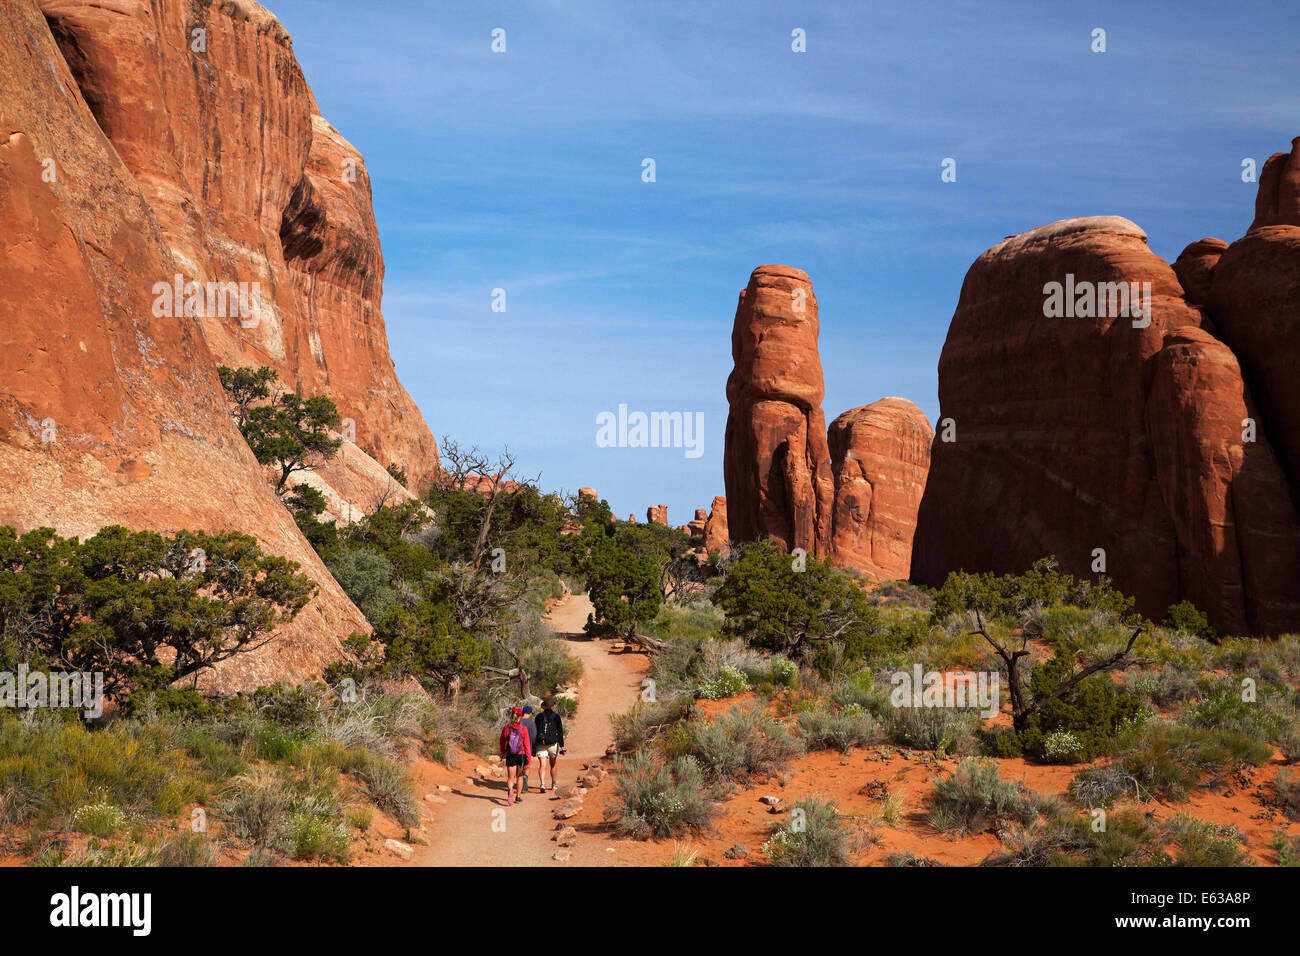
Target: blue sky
(522,171)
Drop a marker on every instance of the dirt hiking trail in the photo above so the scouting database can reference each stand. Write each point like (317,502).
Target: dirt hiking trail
(476,828)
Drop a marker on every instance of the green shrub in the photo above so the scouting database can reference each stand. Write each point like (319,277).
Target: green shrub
(1287,848)
(653,798)
(740,744)
(858,690)
(543,587)
(1171,760)
(1185,617)
(772,606)
(1205,844)
(1229,712)
(728,682)
(814,836)
(840,730)
(542,654)
(903,631)
(51,767)
(1006,597)
(1078,628)
(317,835)
(359,816)
(784,672)
(973,799)
(183,702)
(1062,746)
(686,629)
(1127,839)
(219,759)
(274,743)
(1092,712)
(366,577)
(1173,684)
(1287,786)
(186,849)
(943,729)
(98,819)
(257,808)
(1001,743)
(382,724)
(903,593)
(389,786)
(1101,786)
(334,755)
(293,706)
(270,814)
(635,727)
(1288,741)
(717,658)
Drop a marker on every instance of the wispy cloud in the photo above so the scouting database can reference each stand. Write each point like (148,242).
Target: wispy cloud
(523,171)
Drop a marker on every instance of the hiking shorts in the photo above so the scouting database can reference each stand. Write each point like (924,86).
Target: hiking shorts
(514,760)
(551,751)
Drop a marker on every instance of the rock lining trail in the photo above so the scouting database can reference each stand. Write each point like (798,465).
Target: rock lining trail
(462,832)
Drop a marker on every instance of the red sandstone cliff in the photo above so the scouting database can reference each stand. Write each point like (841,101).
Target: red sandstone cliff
(125,159)
(1101,434)
(249,184)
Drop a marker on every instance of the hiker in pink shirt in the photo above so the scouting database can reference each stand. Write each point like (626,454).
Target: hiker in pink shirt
(516,751)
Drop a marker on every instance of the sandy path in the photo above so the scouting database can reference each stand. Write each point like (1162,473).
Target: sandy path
(476,828)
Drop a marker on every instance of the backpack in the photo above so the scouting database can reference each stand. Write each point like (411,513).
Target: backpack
(547,731)
(515,742)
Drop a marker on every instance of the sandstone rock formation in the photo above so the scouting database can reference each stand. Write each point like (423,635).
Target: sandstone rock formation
(354,485)
(1277,198)
(1237,532)
(1105,437)
(695,527)
(880,456)
(1037,466)
(126,160)
(717,536)
(852,499)
(777,464)
(249,185)
(483,484)
(1255,305)
(1195,268)
(657,514)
